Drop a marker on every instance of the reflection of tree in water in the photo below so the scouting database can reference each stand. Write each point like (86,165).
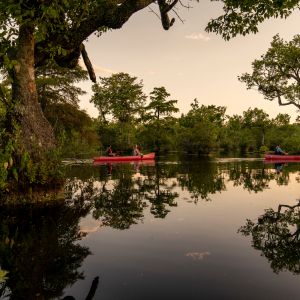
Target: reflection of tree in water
(276,234)
(120,196)
(201,180)
(120,206)
(157,188)
(123,203)
(38,249)
(119,200)
(254,177)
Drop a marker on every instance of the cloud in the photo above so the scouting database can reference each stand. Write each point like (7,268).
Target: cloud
(97,69)
(101,70)
(198,37)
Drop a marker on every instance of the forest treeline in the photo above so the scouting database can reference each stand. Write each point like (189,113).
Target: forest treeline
(127,116)
(153,125)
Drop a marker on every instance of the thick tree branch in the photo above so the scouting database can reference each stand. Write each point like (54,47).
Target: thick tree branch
(287,103)
(108,14)
(164,8)
(88,63)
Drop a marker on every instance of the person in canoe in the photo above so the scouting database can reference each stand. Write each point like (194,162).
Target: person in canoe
(109,151)
(137,151)
(279,151)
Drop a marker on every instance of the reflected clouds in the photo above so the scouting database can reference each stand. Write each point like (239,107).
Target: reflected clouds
(198,255)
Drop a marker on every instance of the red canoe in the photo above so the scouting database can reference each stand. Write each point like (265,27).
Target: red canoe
(149,156)
(273,157)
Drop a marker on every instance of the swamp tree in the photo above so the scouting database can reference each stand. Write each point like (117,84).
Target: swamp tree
(36,32)
(276,74)
(32,32)
(56,85)
(159,124)
(120,96)
(243,17)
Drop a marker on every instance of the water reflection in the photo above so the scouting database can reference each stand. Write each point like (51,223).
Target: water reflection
(42,246)
(91,293)
(276,234)
(39,249)
(119,193)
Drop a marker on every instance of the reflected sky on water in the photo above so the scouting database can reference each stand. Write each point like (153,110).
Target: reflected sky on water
(165,230)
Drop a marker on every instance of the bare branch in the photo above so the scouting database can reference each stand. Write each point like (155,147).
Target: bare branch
(184,5)
(178,16)
(151,10)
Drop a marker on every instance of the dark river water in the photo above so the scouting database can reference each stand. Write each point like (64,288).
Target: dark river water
(170,229)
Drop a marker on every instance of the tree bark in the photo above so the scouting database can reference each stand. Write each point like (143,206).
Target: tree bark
(35,130)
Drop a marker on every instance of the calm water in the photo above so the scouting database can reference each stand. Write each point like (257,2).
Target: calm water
(189,229)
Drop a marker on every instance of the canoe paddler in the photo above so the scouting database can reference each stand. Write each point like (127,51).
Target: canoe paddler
(279,151)
(137,151)
(109,151)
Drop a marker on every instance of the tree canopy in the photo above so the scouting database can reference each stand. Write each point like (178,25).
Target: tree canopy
(120,96)
(159,106)
(243,16)
(60,27)
(56,85)
(276,74)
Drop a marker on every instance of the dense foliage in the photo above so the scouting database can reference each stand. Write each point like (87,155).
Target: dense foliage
(36,32)
(202,129)
(276,74)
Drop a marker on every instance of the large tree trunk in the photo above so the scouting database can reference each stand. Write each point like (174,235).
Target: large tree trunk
(36,132)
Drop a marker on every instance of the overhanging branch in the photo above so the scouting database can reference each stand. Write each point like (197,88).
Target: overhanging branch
(164,9)
(88,63)
(108,14)
(286,103)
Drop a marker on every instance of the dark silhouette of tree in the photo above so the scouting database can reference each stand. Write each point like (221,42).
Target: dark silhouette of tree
(39,249)
(202,179)
(277,235)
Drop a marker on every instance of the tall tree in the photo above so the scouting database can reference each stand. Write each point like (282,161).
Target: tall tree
(200,127)
(276,74)
(119,95)
(281,120)
(32,32)
(56,85)
(257,118)
(159,124)
(159,106)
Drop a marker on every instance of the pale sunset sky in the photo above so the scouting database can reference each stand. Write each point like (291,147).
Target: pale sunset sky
(186,60)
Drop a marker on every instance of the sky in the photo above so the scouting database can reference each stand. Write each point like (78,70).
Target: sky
(186,60)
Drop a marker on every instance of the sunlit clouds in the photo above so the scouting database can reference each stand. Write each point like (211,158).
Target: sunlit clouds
(198,37)
(98,70)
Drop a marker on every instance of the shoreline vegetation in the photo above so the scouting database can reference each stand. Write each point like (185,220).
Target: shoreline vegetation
(148,121)
(40,119)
